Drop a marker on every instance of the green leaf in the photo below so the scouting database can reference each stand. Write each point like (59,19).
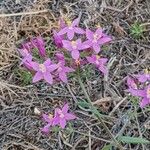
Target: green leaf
(107,147)
(133,140)
(83,104)
(55,129)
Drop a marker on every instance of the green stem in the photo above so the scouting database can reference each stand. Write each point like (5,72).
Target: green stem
(98,115)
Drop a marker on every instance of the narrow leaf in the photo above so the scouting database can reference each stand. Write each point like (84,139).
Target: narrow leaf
(133,140)
(107,147)
(83,104)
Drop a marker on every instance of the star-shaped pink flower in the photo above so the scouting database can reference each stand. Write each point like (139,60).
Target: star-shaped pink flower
(49,120)
(144,94)
(98,62)
(58,39)
(43,71)
(62,71)
(71,29)
(39,43)
(27,58)
(62,116)
(96,39)
(74,47)
(143,77)
(131,82)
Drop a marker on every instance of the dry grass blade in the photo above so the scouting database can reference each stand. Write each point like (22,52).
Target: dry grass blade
(24,13)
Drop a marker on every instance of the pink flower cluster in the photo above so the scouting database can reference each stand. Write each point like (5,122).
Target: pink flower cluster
(67,41)
(139,85)
(61,116)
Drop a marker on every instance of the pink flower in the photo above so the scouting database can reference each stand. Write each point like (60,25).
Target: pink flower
(43,71)
(98,62)
(144,94)
(27,45)
(60,57)
(71,29)
(27,58)
(49,120)
(62,115)
(61,23)
(74,47)
(144,76)
(131,83)
(62,71)
(58,39)
(96,39)
(39,43)
(24,52)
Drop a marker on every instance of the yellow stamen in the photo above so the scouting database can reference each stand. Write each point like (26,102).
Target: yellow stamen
(68,22)
(74,44)
(42,68)
(97,57)
(146,71)
(95,36)
(98,25)
(77,62)
(61,115)
(148,93)
(50,116)
(134,86)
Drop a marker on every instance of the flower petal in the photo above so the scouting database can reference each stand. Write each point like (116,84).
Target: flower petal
(68,69)
(103,69)
(85,45)
(135,92)
(65,108)
(103,60)
(70,34)
(37,77)
(63,123)
(70,116)
(141,77)
(79,30)
(104,40)
(47,62)
(46,129)
(91,59)
(144,102)
(55,121)
(63,31)
(52,67)
(96,48)
(42,51)
(75,22)
(89,34)
(63,77)
(67,45)
(99,32)
(75,54)
(48,77)
(47,119)
(35,66)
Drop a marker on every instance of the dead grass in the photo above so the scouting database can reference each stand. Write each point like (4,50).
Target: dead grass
(19,126)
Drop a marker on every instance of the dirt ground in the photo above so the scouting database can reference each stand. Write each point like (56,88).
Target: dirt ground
(128,54)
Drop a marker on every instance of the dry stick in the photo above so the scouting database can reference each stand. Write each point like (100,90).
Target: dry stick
(23,13)
(98,115)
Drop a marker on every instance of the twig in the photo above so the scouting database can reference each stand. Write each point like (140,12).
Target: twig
(23,13)
(73,96)
(97,138)
(90,140)
(116,107)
